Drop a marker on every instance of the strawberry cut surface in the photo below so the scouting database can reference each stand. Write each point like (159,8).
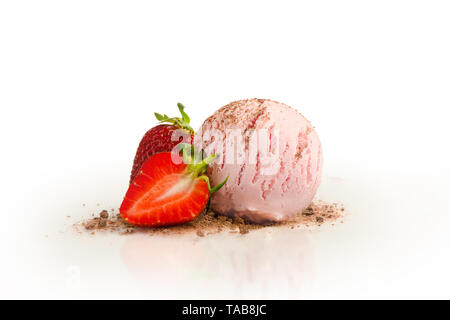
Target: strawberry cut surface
(164,193)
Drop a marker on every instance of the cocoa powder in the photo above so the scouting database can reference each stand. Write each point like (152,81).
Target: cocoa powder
(207,223)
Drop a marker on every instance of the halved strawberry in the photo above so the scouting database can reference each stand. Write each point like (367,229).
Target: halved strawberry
(167,191)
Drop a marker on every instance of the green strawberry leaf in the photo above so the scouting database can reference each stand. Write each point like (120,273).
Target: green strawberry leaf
(220,185)
(159,116)
(184,115)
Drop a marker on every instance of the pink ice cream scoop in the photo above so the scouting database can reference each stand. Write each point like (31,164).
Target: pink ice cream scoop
(273,157)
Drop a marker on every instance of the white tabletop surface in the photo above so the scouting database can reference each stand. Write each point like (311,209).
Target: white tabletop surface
(392,244)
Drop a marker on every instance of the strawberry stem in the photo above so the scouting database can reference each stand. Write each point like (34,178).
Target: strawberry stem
(200,168)
(190,155)
(196,168)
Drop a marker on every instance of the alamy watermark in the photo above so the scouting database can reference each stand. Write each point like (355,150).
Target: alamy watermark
(259,147)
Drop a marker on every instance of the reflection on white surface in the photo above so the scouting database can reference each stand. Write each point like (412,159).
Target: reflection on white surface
(393,244)
(257,265)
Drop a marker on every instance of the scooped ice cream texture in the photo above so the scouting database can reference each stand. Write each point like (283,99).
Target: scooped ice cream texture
(273,157)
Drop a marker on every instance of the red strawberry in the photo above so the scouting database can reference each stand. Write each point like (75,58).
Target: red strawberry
(162,138)
(167,193)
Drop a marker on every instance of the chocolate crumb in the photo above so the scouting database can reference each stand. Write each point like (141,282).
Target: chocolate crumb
(238,220)
(243,229)
(200,233)
(90,225)
(209,223)
(308,211)
(104,214)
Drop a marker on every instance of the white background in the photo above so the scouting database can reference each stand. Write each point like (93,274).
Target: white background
(80,80)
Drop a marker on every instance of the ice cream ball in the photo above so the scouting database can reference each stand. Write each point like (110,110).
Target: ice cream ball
(272,155)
